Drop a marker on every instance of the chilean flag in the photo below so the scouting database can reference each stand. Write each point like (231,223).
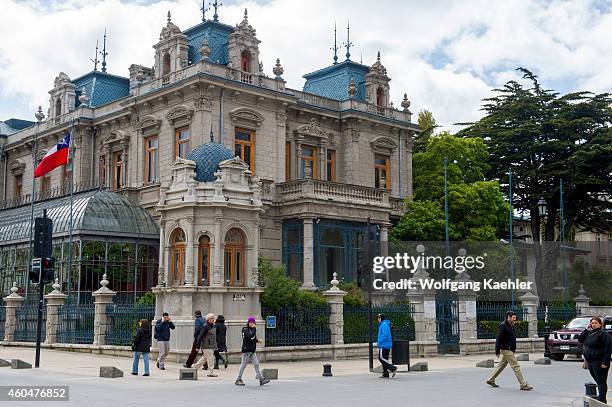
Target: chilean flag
(57,156)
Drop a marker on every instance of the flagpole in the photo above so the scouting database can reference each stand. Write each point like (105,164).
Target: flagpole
(39,116)
(71,163)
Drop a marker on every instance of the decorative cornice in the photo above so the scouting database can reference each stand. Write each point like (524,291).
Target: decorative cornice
(383,145)
(245,115)
(180,113)
(311,129)
(149,123)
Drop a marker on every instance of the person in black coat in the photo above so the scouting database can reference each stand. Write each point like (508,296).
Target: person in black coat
(162,335)
(221,332)
(505,344)
(596,353)
(142,346)
(249,346)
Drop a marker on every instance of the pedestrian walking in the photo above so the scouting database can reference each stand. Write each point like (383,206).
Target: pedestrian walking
(221,332)
(505,344)
(207,343)
(162,335)
(198,324)
(596,353)
(384,344)
(249,347)
(142,346)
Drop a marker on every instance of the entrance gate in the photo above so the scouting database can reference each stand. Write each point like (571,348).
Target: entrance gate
(447,321)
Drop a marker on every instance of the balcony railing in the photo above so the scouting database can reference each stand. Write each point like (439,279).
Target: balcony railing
(332,191)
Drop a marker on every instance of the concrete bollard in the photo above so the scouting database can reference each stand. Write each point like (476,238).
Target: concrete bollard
(110,372)
(488,363)
(523,357)
(5,363)
(188,374)
(270,374)
(327,370)
(20,364)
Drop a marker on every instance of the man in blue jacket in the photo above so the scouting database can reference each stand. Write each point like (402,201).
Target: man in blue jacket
(162,334)
(384,343)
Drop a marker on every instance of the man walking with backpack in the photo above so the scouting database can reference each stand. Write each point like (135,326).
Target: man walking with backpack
(162,334)
(506,345)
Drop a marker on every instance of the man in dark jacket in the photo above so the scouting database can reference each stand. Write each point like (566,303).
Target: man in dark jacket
(249,346)
(221,331)
(162,334)
(207,342)
(505,344)
(596,354)
(142,346)
(198,324)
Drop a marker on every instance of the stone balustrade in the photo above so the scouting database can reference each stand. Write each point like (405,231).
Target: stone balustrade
(325,190)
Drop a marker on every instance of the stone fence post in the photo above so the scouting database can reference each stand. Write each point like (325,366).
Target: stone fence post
(530,304)
(55,299)
(13,301)
(582,302)
(424,302)
(335,298)
(468,326)
(102,298)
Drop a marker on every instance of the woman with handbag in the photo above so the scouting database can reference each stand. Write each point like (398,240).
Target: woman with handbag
(142,346)
(596,354)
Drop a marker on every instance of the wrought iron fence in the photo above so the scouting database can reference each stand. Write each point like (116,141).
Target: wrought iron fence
(27,317)
(297,326)
(2,321)
(124,322)
(490,314)
(76,323)
(558,315)
(356,324)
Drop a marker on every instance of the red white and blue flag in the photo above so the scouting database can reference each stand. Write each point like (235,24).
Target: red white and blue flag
(57,156)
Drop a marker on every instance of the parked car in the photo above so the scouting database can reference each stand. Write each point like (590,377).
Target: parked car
(565,341)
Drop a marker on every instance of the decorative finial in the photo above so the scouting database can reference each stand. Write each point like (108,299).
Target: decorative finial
(351,88)
(212,138)
(83,98)
(334,282)
(169,19)
(581,291)
(278,69)
(378,57)
(335,47)
(105,54)
(14,288)
(420,248)
(216,5)
(39,114)
(205,48)
(204,10)
(348,44)
(405,103)
(104,281)
(56,286)
(361,58)
(246,14)
(95,60)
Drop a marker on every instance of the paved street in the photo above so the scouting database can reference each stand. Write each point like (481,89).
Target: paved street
(453,381)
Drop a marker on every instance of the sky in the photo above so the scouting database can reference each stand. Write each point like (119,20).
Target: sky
(445,55)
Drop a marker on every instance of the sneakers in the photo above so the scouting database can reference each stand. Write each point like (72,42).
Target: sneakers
(239,382)
(162,368)
(384,376)
(135,373)
(212,375)
(492,383)
(226,362)
(264,381)
(158,365)
(526,387)
(146,374)
(394,371)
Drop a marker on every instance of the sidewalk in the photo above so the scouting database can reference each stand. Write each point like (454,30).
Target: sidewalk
(88,365)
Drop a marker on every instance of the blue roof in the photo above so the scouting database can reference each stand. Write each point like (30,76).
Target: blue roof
(207,158)
(11,126)
(101,88)
(332,82)
(218,40)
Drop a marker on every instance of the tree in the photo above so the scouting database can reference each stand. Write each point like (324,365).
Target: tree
(428,125)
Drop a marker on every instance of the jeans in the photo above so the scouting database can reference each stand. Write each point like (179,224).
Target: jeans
(508,358)
(164,349)
(243,362)
(600,375)
(145,358)
(383,357)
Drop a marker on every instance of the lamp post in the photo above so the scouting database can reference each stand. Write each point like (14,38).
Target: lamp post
(542,213)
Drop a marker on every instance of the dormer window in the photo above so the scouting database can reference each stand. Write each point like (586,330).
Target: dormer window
(58,107)
(166,66)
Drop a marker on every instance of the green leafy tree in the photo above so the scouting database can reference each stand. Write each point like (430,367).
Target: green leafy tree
(428,125)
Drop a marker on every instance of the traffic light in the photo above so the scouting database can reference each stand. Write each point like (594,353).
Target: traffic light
(48,269)
(43,235)
(35,270)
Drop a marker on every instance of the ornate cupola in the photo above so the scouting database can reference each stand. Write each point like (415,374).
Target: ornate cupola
(243,47)
(171,51)
(377,84)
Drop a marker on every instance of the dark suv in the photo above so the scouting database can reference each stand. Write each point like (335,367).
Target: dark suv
(565,341)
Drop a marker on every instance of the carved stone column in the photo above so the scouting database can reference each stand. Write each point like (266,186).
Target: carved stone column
(161,275)
(530,304)
(582,302)
(335,298)
(102,298)
(55,299)
(189,253)
(217,275)
(308,244)
(13,301)
(468,325)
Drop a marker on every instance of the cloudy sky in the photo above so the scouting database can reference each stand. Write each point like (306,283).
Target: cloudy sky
(446,55)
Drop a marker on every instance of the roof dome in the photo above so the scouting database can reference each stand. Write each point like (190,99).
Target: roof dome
(207,158)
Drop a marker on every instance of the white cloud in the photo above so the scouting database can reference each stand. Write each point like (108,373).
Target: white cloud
(445,55)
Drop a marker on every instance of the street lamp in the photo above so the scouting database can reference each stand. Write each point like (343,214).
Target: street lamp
(542,212)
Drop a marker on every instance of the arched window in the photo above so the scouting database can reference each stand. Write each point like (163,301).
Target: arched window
(177,258)
(166,67)
(58,107)
(380,97)
(245,61)
(204,261)
(234,258)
